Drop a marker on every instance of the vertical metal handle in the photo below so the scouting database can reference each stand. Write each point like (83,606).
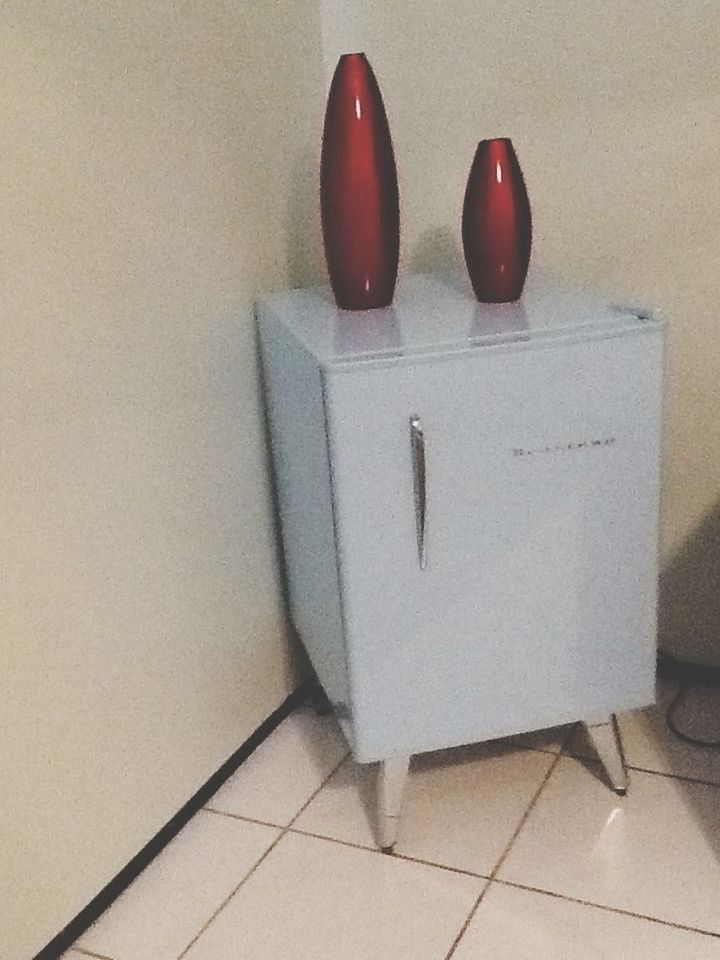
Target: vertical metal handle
(417,448)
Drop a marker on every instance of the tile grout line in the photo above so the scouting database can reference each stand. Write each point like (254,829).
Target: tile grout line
(89,953)
(548,751)
(283,832)
(673,776)
(468,920)
(607,909)
(395,855)
(683,778)
(239,816)
(536,796)
(506,851)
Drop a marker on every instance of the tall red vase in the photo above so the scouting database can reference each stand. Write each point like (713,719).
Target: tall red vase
(496,223)
(358,190)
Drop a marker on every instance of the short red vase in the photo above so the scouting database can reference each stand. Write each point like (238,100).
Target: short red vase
(358,190)
(496,223)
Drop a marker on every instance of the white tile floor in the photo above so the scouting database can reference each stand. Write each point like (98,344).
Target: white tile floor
(510,851)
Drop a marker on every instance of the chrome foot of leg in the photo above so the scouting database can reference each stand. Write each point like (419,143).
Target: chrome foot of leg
(391,783)
(605,737)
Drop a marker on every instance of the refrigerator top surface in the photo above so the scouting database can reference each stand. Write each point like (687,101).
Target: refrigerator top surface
(430,316)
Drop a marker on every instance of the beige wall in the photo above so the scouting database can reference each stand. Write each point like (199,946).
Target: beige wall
(614,111)
(154,179)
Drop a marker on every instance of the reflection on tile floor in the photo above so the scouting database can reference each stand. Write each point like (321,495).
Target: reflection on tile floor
(283,862)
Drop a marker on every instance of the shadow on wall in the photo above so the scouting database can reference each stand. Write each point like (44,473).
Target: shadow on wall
(439,254)
(305,263)
(689,603)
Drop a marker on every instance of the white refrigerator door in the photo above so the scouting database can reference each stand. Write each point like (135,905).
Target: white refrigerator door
(536,605)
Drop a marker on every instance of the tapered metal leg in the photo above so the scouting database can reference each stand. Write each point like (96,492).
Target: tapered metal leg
(605,737)
(391,784)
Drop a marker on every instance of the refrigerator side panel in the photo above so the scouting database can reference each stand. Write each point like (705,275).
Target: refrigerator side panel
(294,392)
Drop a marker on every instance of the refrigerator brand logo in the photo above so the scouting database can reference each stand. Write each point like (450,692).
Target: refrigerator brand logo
(564,447)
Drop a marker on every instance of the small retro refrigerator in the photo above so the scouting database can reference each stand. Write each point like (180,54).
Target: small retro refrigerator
(468,496)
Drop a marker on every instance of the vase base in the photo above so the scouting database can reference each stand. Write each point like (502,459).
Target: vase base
(499,300)
(374,301)
(363,307)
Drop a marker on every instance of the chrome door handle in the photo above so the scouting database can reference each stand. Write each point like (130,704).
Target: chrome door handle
(417,449)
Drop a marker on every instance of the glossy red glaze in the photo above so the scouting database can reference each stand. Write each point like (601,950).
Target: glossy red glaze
(358,190)
(496,223)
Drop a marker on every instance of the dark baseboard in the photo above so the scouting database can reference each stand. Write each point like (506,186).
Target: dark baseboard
(64,940)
